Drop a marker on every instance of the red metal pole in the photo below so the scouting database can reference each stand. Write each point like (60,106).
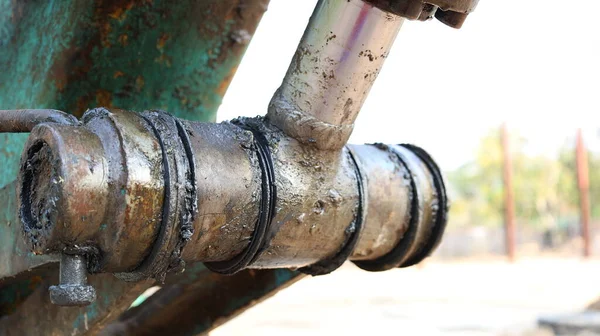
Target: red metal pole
(509,206)
(583,183)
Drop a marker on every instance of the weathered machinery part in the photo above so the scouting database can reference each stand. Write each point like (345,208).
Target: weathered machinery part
(199,301)
(44,318)
(263,224)
(425,197)
(129,190)
(331,74)
(353,232)
(177,56)
(18,121)
(338,59)
(439,206)
(450,12)
(73,289)
(316,202)
(179,199)
(109,169)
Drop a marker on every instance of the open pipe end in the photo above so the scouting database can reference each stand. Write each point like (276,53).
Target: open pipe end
(60,188)
(39,194)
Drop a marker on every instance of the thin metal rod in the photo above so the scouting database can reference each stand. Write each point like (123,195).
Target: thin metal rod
(22,121)
(509,205)
(336,63)
(583,184)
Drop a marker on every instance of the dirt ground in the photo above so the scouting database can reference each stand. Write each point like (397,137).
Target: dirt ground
(482,297)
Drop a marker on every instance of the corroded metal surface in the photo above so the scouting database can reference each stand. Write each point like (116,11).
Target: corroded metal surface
(229,185)
(75,54)
(73,289)
(146,174)
(387,218)
(424,215)
(16,121)
(331,74)
(121,190)
(199,301)
(38,316)
(119,181)
(317,198)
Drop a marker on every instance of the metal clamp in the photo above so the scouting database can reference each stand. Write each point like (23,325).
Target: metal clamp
(261,235)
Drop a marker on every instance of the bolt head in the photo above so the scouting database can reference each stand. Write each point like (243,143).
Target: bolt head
(72,295)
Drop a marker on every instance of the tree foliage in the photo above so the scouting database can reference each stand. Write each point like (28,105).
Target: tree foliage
(545,188)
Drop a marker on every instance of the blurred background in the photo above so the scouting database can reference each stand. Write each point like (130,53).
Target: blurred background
(530,68)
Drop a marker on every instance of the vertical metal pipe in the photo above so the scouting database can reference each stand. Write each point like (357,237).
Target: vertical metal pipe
(509,206)
(583,184)
(331,74)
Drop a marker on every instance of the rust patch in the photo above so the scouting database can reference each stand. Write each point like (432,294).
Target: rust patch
(163,59)
(139,83)
(105,29)
(103,98)
(162,41)
(222,88)
(123,39)
(120,12)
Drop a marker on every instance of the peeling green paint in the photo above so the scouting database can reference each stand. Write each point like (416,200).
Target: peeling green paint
(73,55)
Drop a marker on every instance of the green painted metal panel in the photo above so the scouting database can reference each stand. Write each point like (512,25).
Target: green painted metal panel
(72,55)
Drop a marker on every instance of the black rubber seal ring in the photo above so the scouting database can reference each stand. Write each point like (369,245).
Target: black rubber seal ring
(155,260)
(190,208)
(329,265)
(271,200)
(396,256)
(260,237)
(179,199)
(441,219)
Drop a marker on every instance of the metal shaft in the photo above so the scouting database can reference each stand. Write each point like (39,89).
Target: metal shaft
(131,196)
(336,63)
(17,121)
(141,194)
(252,193)
(73,270)
(73,289)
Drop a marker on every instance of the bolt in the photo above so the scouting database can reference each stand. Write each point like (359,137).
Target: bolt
(73,289)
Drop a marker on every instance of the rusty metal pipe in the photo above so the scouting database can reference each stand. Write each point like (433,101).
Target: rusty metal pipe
(139,194)
(336,63)
(22,121)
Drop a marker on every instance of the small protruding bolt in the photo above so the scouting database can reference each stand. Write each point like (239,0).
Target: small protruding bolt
(73,289)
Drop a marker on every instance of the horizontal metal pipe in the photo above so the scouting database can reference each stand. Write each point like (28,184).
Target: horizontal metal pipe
(229,184)
(123,189)
(336,63)
(389,201)
(102,183)
(21,121)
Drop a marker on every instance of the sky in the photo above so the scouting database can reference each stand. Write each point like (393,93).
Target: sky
(534,64)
